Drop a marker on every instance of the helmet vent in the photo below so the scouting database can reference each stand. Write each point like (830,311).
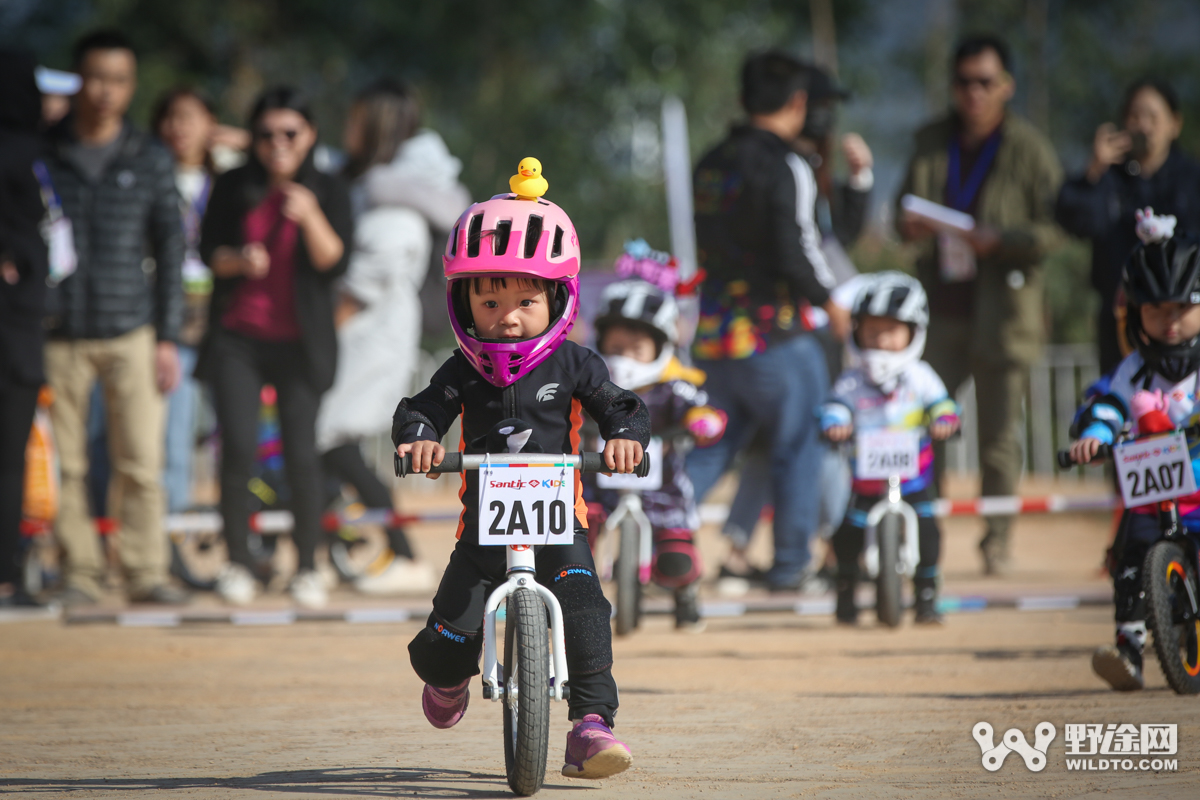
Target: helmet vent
(500,237)
(556,250)
(454,241)
(533,235)
(473,233)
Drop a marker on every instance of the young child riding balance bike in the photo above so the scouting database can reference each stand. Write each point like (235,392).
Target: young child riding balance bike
(512,270)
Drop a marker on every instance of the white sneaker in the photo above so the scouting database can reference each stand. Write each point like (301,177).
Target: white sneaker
(236,585)
(401,576)
(308,589)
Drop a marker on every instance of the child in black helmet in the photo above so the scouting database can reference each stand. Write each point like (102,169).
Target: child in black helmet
(1161,281)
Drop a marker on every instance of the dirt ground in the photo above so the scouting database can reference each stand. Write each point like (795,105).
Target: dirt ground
(761,705)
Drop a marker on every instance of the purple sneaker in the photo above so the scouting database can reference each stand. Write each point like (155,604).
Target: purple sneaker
(593,751)
(445,707)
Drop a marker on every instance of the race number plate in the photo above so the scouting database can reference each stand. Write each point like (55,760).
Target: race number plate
(881,454)
(529,504)
(1153,470)
(651,483)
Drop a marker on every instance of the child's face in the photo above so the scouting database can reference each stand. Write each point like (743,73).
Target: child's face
(622,340)
(883,333)
(509,309)
(1171,323)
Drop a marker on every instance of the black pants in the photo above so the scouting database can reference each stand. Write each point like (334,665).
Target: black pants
(1137,533)
(848,541)
(346,464)
(446,652)
(240,368)
(17,404)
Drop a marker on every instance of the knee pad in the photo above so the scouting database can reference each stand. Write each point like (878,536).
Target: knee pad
(1127,593)
(586,614)
(676,561)
(443,656)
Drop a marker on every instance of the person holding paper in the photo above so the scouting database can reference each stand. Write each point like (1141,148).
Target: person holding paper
(984,279)
(892,390)
(1160,378)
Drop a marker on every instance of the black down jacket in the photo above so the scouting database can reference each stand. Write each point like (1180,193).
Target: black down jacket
(128,239)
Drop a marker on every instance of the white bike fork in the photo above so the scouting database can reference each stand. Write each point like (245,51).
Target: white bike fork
(520,575)
(630,505)
(910,552)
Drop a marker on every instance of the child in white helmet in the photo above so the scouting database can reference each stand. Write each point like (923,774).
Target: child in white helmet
(890,387)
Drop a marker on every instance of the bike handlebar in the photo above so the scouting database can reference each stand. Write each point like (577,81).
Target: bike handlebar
(1066,462)
(461,462)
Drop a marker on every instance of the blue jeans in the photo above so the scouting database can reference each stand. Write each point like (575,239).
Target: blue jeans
(181,434)
(754,494)
(779,392)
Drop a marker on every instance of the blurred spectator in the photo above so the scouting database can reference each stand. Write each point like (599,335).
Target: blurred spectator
(110,320)
(23,270)
(275,235)
(185,121)
(404,180)
(759,247)
(57,88)
(985,288)
(1132,168)
(841,215)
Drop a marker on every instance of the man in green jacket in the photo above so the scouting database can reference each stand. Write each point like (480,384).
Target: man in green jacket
(985,287)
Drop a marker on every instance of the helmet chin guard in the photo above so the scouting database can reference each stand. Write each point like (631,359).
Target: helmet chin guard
(509,238)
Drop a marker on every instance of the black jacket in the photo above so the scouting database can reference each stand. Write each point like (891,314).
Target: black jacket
(748,192)
(1104,212)
(234,195)
(549,399)
(128,240)
(21,209)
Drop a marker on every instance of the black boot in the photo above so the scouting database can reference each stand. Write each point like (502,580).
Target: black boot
(847,607)
(687,609)
(925,604)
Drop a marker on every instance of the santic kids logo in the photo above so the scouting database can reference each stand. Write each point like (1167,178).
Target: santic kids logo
(1165,450)
(1014,741)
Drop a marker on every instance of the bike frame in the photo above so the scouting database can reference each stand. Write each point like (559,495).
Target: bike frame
(520,575)
(910,552)
(630,505)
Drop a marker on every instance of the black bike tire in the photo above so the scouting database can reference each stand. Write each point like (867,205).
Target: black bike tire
(889,606)
(527,650)
(182,569)
(1175,643)
(629,585)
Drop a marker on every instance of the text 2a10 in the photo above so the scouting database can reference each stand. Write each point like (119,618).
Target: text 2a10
(511,519)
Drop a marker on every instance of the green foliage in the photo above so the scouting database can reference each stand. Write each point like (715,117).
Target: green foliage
(1071,305)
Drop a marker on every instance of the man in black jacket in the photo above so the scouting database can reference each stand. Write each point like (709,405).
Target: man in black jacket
(759,247)
(115,319)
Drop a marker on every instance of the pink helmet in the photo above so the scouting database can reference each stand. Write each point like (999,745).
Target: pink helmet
(509,237)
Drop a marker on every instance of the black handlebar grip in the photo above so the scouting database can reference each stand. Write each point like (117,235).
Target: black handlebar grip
(451,462)
(594,462)
(1103,453)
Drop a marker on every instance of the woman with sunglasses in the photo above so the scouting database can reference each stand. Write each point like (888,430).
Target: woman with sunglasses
(276,236)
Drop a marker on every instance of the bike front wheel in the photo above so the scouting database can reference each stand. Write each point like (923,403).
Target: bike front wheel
(526,692)
(629,584)
(888,603)
(1169,579)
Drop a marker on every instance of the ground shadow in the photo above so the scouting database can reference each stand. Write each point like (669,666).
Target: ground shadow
(342,782)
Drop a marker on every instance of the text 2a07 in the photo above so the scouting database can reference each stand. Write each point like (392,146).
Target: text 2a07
(510,521)
(1149,480)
